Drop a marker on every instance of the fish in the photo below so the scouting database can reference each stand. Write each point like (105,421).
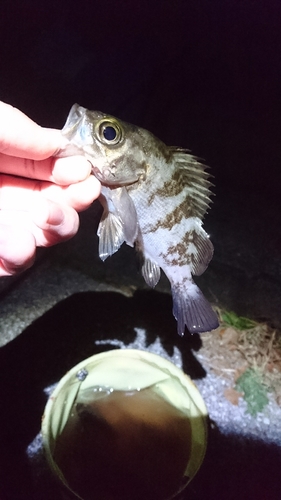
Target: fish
(154,198)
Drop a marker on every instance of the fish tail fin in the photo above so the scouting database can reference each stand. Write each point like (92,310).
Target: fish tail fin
(192,310)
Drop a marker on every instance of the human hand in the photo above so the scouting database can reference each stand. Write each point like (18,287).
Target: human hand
(40,195)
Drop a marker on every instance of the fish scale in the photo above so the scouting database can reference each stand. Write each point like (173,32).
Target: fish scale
(154,198)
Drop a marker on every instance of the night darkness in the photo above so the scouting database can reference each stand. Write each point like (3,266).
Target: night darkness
(200,74)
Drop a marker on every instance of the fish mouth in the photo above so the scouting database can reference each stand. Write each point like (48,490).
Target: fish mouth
(115,181)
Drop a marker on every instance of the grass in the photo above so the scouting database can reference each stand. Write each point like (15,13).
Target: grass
(254,391)
(248,354)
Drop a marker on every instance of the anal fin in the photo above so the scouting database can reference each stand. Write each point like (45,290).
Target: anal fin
(151,272)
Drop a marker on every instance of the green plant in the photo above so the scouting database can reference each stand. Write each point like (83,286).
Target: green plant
(255,394)
(231,319)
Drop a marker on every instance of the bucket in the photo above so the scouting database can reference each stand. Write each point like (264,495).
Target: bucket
(125,425)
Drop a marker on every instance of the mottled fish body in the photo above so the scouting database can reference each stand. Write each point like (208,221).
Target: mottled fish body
(154,198)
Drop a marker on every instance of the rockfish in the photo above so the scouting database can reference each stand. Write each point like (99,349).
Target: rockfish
(154,198)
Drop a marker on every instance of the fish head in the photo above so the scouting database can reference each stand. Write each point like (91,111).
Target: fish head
(116,149)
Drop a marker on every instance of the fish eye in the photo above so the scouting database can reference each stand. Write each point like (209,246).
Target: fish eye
(109,132)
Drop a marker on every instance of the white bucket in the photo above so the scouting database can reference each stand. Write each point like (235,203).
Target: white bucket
(126,370)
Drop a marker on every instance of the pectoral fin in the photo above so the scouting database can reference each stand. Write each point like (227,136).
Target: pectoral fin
(202,255)
(125,209)
(118,223)
(199,249)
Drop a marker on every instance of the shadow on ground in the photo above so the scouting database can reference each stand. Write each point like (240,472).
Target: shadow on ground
(234,468)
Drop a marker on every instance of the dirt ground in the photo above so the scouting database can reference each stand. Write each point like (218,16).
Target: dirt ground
(249,355)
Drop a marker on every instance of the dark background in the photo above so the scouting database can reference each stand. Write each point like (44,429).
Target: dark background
(205,75)
(201,74)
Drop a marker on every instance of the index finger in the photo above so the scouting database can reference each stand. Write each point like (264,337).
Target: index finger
(22,137)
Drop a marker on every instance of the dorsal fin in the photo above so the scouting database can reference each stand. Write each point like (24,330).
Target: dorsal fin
(192,176)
